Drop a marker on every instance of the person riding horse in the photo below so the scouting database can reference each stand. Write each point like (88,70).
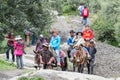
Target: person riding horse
(55,44)
(46,56)
(70,43)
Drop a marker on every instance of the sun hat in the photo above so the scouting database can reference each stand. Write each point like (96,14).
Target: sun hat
(41,35)
(18,37)
(45,44)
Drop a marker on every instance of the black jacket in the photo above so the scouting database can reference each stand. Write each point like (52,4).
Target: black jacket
(92,52)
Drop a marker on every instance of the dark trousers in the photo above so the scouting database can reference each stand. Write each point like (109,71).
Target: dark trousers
(19,62)
(90,66)
(12,52)
(84,21)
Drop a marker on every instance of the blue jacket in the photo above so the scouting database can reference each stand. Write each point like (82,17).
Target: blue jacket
(55,42)
(69,41)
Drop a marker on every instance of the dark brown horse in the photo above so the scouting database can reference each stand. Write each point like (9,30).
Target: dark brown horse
(63,59)
(79,59)
(37,60)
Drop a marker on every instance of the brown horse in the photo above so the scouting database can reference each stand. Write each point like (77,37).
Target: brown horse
(63,60)
(79,59)
(37,60)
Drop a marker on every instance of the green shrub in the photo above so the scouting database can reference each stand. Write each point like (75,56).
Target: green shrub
(104,30)
(67,9)
(32,78)
(6,66)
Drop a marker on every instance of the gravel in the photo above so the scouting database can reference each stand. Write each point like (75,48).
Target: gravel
(107,56)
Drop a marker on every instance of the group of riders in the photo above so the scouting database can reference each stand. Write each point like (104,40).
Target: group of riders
(81,50)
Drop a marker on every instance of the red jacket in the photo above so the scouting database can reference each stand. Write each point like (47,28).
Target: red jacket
(88,35)
(85,13)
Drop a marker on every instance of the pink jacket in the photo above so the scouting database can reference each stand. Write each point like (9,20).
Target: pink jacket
(18,49)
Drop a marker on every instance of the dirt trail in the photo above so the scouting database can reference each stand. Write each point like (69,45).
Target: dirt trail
(107,57)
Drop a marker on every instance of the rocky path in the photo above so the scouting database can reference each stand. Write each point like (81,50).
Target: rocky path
(107,57)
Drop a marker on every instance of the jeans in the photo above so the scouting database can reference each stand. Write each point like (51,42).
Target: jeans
(84,21)
(12,52)
(19,62)
(58,56)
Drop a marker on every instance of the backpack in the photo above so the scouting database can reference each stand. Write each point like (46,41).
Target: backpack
(85,13)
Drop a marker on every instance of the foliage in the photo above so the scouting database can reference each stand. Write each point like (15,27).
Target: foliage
(33,78)
(3,45)
(103,30)
(67,6)
(107,26)
(18,15)
(6,66)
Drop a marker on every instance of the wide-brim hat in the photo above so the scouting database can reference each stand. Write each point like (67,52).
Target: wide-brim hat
(18,37)
(45,44)
(41,35)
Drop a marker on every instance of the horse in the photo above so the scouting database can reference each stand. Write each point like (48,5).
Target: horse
(63,59)
(37,60)
(39,64)
(79,59)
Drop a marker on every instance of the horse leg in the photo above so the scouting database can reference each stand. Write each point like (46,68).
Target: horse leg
(73,67)
(44,66)
(91,67)
(49,67)
(68,51)
(65,64)
(88,67)
(79,68)
(39,66)
(82,68)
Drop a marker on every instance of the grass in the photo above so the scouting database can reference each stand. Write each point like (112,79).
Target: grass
(31,78)
(4,65)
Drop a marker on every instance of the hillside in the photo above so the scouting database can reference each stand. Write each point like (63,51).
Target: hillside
(107,58)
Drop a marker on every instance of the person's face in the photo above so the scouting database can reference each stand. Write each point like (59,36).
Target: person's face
(54,34)
(77,48)
(79,34)
(45,48)
(91,45)
(85,44)
(72,34)
(20,40)
(87,28)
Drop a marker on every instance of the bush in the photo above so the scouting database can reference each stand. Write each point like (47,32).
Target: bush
(67,9)
(32,78)
(6,65)
(104,31)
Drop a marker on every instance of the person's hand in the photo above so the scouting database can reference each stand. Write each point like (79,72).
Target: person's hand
(49,63)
